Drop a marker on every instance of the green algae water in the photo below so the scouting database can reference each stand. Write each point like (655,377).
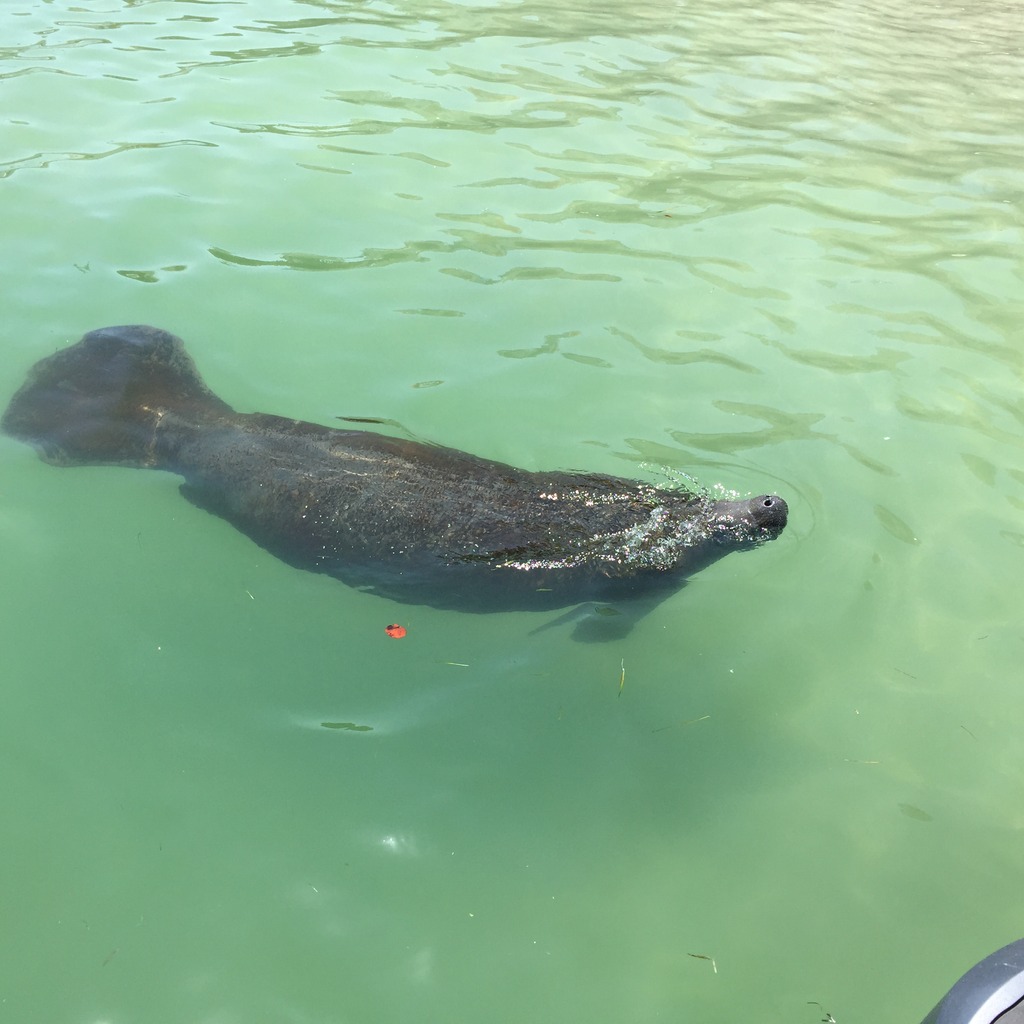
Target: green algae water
(772,248)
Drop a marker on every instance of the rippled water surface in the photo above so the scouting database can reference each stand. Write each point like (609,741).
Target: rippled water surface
(771,247)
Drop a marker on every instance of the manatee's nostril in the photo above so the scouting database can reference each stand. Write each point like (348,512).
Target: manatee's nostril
(769,511)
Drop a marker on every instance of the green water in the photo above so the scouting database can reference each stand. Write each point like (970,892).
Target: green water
(774,246)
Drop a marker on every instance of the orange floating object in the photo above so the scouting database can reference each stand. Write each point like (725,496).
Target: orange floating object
(395,631)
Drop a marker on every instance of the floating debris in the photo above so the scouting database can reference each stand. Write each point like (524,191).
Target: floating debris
(701,956)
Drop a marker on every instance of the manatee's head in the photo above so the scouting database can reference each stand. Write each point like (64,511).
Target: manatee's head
(709,529)
(686,532)
(737,525)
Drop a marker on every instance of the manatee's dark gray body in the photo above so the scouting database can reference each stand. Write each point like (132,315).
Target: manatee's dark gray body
(412,521)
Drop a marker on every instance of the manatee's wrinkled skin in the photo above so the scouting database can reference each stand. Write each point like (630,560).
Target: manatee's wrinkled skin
(412,521)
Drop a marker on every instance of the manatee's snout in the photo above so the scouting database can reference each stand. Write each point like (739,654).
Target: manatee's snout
(769,512)
(747,524)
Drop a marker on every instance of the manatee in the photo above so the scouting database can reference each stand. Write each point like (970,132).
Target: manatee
(410,521)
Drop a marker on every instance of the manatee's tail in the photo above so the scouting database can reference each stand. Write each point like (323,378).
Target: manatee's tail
(103,400)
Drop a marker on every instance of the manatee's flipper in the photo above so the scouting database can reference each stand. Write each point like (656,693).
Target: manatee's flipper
(102,400)
(605,624)
(594,623)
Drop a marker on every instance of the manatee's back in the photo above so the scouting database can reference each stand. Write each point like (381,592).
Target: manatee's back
(99,401)
(424,522)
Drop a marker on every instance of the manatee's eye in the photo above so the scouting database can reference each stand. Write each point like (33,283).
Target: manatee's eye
(768,502)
